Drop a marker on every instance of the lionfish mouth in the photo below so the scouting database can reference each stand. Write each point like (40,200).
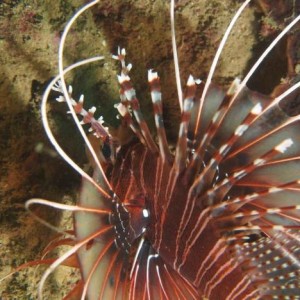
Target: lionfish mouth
(218,218)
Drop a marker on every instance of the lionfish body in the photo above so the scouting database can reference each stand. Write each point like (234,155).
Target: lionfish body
(217,218)
(187,226)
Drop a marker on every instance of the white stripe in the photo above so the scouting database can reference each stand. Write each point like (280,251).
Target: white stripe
(241,129)
(284,145)
(256,110)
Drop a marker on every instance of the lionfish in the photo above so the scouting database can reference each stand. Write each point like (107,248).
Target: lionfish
(217,218)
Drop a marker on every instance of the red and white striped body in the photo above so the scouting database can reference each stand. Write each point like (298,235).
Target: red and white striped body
(218,218)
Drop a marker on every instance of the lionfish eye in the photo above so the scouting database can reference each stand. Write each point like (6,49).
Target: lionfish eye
(214,216)
(130,221)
